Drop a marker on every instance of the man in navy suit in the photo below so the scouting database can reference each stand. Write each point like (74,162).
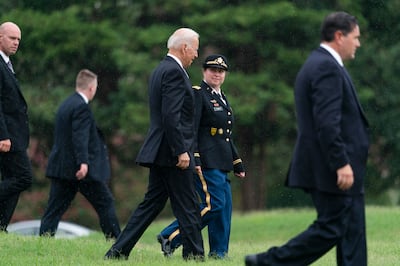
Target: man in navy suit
(79,161)
(168,151)
(15,167)
(329,160)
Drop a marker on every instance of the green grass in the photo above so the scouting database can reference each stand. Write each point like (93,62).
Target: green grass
(251,233)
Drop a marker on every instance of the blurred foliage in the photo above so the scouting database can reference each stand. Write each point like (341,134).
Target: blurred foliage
(266,42)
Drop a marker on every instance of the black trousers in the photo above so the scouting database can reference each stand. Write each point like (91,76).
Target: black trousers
(62,192)
(178,185)
(340,222)
(16,176)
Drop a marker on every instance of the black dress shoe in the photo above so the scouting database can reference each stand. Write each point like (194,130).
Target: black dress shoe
(198,258)
(251,260)
(115,255)
(165,246)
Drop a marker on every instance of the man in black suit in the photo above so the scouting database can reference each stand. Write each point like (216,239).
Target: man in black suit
(330,155)
(168,151)
(15,167)
(79,161)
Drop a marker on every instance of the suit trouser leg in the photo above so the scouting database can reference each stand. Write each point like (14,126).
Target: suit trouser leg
(99,195)
(152,204)
(352,249)
(62,192)
(180,184)
(7,208)
(16,176)
(213,188)
(333,213)
(171,232)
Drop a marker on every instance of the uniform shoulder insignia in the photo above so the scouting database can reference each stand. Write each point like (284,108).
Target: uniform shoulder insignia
(196,87)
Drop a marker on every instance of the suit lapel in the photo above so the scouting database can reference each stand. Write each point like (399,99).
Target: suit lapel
(353,90)
(8,70)
(12,77)
(348,79)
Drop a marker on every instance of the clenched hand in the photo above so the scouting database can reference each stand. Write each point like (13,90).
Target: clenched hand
(345,177)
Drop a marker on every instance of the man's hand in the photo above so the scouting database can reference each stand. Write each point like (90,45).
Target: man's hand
(82,172)
(183,161)
(345,177)
(5,145)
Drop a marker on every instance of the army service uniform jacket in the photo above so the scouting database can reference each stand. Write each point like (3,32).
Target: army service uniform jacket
(214,120)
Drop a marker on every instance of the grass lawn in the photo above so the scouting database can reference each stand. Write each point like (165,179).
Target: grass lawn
(251,233)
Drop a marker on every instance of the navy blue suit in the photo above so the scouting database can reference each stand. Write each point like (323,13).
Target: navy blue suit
(77,140)
(332,127)
(15,167)
(217,155)
(332,132)
(171,133)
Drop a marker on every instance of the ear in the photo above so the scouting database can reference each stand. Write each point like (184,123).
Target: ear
(338,36)
(184,48)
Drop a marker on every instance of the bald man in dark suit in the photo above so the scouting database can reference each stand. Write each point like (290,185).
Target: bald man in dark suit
(15,167)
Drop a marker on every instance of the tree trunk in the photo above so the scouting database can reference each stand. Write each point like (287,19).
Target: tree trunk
(253,189)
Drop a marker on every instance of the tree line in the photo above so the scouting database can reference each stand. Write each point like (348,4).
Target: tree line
(265,42)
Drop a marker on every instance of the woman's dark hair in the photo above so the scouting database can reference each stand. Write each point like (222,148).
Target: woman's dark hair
(337,21)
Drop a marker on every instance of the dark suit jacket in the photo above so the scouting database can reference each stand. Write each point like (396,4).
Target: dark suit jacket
(77,140)
(14,123)
(171,104)
(214,147)
(332,127)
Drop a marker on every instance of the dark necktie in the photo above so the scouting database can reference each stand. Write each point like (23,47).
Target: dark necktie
(220,97)
(10,66)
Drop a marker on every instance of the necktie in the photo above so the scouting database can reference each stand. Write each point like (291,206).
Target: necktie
(220,97)
(10,66)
